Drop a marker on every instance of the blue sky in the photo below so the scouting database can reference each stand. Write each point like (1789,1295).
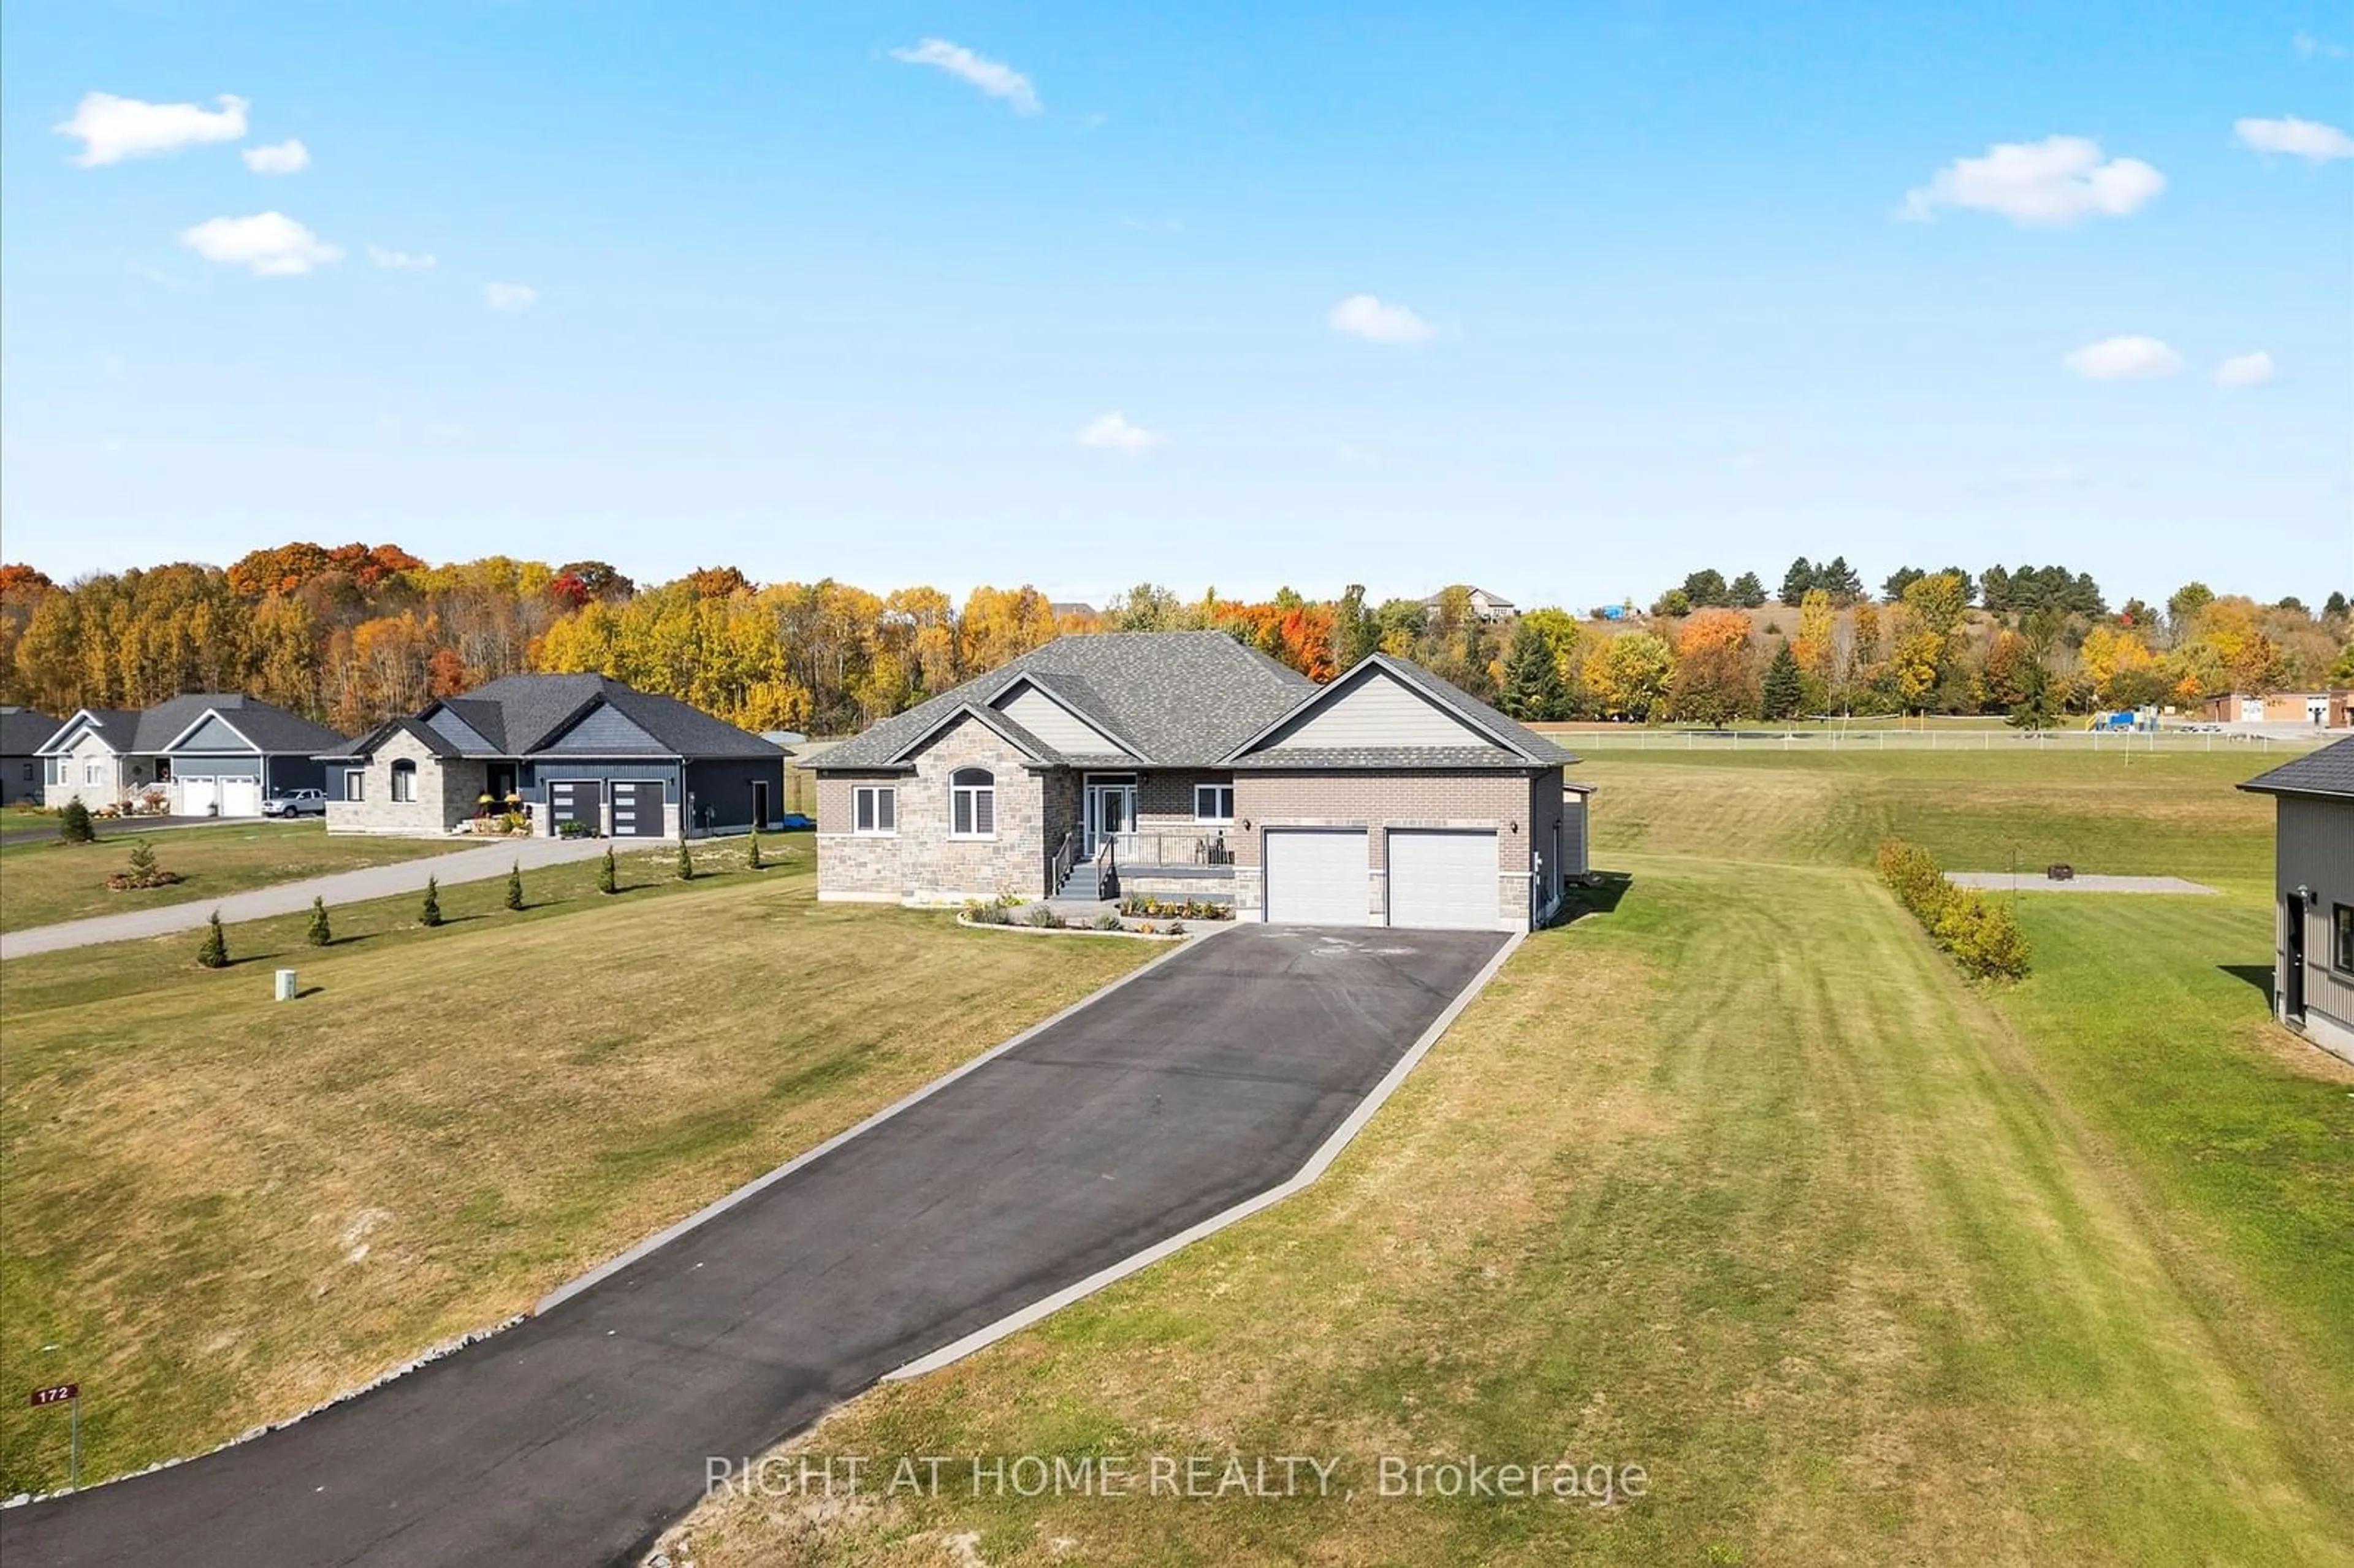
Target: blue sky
(1646,290)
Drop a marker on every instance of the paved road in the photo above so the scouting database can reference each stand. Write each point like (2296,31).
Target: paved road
(2034,881)
(477,864)
(577,1436)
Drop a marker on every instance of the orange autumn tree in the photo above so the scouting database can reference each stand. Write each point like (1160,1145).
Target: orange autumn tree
(1717,671)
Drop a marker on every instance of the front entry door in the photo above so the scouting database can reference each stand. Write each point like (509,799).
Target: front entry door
(1111,809)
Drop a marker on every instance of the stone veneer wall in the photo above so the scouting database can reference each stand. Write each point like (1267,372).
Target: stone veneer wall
(921,863)
(447,792)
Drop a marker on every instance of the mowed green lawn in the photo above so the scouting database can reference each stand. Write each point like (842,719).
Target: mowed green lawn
(219,1210)
(1738,1182)
(45,882)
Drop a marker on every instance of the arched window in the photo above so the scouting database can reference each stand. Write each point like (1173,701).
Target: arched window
(404,780)
(973,803)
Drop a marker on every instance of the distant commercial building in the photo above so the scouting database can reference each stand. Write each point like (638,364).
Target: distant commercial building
(2331,709)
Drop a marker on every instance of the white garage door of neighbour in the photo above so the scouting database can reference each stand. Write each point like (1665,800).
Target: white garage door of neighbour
(1316,878)
(1444,881)
(240,797)
(197,796)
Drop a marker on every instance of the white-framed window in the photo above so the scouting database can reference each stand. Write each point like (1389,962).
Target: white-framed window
(354,783)
(1214,802)
(875,808)
(973,803)
(404,780)
(93,772)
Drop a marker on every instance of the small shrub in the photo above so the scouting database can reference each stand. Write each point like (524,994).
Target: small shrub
(74,825)
(572,830)
(1176,927)
(515,886)
(431,913)
(606,877)
(214,954)
(1044,919)
(1106,921)
(321,934)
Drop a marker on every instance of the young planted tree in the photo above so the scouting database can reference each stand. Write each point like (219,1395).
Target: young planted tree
(753,857)
(74,825)
(515,886)
(214,954)
(685,863)
(322,932)
(607,881)
(145,872)
(430,915)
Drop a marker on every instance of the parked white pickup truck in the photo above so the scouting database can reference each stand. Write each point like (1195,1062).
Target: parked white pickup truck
(296,803)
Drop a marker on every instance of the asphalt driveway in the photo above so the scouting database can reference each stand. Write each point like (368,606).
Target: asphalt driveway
(578,1435)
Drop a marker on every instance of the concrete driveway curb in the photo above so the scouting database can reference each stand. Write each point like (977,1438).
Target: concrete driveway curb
(760,1183)
(1308,1175)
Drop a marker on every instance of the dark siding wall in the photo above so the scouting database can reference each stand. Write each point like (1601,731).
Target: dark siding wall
(187,766)
(298,773)
(212,734)
(722,791)
(605,732)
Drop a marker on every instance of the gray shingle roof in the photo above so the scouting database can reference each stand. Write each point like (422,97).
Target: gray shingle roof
(2330,771)
(520,715)
(119,728)
(268,727)
(363,746)
(22,730)
(1183,698)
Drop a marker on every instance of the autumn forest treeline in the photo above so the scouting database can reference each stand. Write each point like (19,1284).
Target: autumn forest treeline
(351,634)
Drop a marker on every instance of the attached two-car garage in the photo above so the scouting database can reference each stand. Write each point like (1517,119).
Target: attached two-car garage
(637,805)
(1439,878)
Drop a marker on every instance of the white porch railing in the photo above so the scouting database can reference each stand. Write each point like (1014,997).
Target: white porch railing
(1206,847)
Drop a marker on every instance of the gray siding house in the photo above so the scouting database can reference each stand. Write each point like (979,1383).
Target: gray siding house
(22,731)
(2312,877)
(1185,763)
(564,749)
(208,754)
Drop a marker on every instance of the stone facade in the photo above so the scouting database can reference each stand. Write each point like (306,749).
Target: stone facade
(1521,811)
(120,778)
(449,792)
(921,862)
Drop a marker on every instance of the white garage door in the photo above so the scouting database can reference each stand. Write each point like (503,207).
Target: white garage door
(1316,877)
(1442,880)
(197,796)
(240,797)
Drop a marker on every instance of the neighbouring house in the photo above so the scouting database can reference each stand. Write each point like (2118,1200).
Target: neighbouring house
(22,731)
(2312,893)
(207,754)
(1485,604)
(559,750)
(1186,764)
(2332,709)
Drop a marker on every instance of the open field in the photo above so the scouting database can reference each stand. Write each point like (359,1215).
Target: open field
(220,1210)
(1735,1180)
(43,882)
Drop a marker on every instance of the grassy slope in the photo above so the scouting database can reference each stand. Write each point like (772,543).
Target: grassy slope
(1738,1182)
(42,884)
(222,1210)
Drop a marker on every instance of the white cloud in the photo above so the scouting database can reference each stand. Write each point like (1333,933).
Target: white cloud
(1112,433)
(2307,139)
(1363,315)
(510,296)
(402,260)
(2124,359)
(2058,180)
(2246,370)
(2307,46)
(112,128)
(995,78)
(271,243)
(287,157)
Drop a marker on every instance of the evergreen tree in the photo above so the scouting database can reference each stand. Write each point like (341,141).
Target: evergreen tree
(605,877)
(214,954)
(73,824)
(1801,576)
(1532,688)
(1786,690)
(685,862)
(515,886)
(142,863)
(753,857)
(321,934)
(430,915)
(1746,592)
(1839,579)
(2334,607)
